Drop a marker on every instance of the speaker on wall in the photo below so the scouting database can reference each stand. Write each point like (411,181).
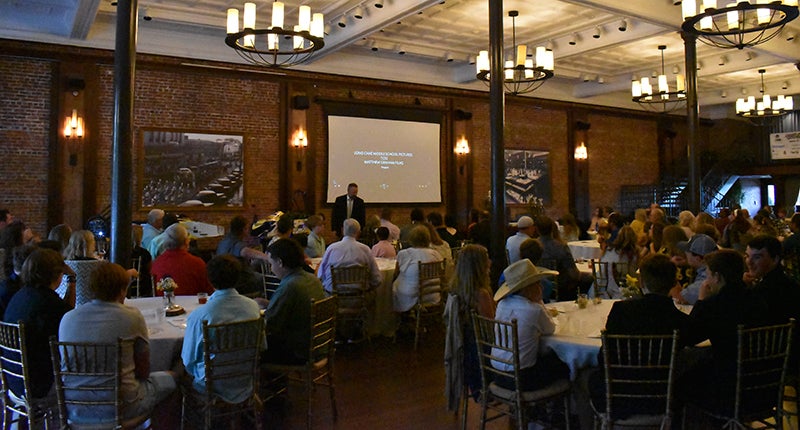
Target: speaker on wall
(300,102)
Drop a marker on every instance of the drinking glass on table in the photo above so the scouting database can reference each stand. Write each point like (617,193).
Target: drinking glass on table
(202,298)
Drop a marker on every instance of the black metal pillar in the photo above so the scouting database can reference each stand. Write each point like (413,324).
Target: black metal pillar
(692,120)
(497,122)
(122,150)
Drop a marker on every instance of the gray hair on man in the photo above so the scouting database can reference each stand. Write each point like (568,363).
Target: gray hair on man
(154,215)
(177,236)
(351,227)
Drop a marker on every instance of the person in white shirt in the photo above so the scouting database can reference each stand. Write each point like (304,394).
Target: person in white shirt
(348,252)
(153,227)
(525,230)
(520,298)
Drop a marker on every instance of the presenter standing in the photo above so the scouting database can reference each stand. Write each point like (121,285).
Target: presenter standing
(348,206)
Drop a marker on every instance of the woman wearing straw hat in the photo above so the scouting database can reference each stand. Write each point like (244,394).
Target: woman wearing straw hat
(520,298)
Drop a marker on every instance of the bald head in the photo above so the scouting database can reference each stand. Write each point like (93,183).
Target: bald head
(177,237)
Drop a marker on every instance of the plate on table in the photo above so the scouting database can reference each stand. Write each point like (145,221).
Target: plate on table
(153,330)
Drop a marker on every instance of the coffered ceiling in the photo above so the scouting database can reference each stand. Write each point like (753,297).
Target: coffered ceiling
(440,38)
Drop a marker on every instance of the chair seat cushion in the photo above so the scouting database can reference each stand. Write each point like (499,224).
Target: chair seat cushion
(559,387)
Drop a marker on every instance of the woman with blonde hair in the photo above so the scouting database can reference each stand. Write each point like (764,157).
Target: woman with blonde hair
(624,249)
(81,246)
(469,292)
(406,273)
(686,221)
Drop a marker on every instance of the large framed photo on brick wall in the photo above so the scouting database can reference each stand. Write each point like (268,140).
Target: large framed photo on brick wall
(527,177)
(191,170)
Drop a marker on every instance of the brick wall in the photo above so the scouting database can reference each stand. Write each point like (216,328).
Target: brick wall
(25,104)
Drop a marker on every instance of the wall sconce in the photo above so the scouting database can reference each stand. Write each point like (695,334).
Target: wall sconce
(461,149)
(73,132)
(299,142)
(581,153)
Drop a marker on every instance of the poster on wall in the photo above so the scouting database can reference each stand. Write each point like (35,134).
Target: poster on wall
(784,146)
(191,170)
(527,177)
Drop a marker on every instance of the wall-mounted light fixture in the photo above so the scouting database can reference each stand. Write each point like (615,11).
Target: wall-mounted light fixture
(461,150)
(299,142)
(73,133)
(581,153)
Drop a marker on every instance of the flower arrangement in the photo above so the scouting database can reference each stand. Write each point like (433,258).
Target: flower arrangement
(631,287)
(167,285)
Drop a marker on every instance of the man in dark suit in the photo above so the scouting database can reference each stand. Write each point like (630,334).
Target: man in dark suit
(652,314)
(348,206)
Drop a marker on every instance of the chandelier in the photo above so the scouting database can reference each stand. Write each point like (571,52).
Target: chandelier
(767,107)
(275,46)
(738,24)
(643,92)
(520,76)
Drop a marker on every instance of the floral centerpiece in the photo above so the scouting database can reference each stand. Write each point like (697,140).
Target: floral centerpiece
(631,288)
(167,285)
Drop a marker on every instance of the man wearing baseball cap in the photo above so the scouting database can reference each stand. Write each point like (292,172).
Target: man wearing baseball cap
(520,298)
(525,231)
(696,249)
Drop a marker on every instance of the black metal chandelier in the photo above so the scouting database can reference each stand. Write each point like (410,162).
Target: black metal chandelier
(767,107)
(520,76)
(660,98)
(739,24)
(275,46)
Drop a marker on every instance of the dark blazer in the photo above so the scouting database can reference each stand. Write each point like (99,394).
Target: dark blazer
(339,213)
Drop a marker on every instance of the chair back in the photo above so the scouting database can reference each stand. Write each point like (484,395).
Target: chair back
(431,282)
(14,372)
(552,264)
(134,290)
(620,270)
(601,276)
(270,281)
(761,366)
(323,329)
(639,374)
(83,270)
(350,285)
(230,355)
(497,341)
(87,381)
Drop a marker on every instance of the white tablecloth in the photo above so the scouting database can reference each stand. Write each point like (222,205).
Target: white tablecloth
(585,249)
(166,333)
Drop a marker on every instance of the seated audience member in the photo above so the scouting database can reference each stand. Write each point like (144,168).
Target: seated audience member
(738,232)
(386,221)
(716,317)
(368,236)
(622,250)
(652,314)
(10,285)
(686,222)
(12,236)
(153,227)
(145,260)
(436,220)
(81,246)
(416,216)
(615,223)
(5,218)
(452,227)
(570,229)
(348,252)
(531,249)
(283,229)
(639,220)
(61,234)
(791,245)
(780,292)
(469,292)
(570,280)
(225,305)
(315,246)
(188,271)
(406,272)
(156,245)
(481,231)
(520,298)
(384,248)
(38,306)
(250,283)
(289,310)
(525,231)
(110,320)
(440,246)
(696,249)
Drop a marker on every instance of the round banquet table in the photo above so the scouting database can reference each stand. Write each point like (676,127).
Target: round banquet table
(585,249)
(166,333)
(382,319)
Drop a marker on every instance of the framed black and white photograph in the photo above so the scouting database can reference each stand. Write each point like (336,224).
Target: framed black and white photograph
(191,170)
(527,177)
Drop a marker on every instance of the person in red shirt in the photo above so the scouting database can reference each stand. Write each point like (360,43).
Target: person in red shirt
(188,271)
